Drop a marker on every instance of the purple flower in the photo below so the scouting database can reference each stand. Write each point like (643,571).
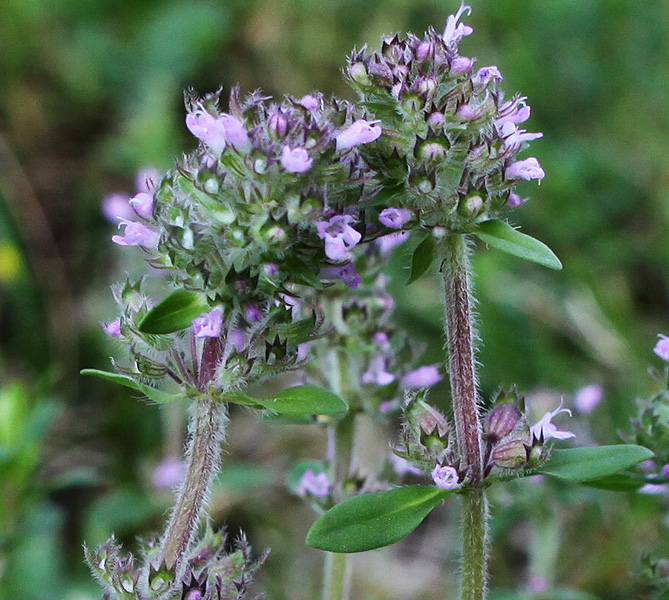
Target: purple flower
(168,474)
(422,377)
(235,133)
(277,124)
(207,128)
(113,329)
(386,243)
(209,324)
(588,397)
(380,338)
(395,217)
(545,430)
(194,595)
(136,234)
(147,179)
(360,132)
(271,269)
(253,313)
(314,485)
(142,204)
(339,236)
(402,466)
(117,206)
(445,477)
(239,339)
(514,111)
(525,169)
(485,75)
(461,64)
(387,406)
(376,372)
(310,102)
(436,119)
(514,137)
(347,273)
(295,160)
(424,50)
(514,200)
(466,112)
(455,31)
(662,348)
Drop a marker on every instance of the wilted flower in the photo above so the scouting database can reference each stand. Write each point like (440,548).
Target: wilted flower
(209,324)
(445,477)
(526,169)
(360,132)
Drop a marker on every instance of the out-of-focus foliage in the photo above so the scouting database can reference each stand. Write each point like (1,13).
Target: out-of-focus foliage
(90,92)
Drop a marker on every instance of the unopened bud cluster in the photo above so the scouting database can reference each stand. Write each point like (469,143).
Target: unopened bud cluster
(210,572)
(451,141)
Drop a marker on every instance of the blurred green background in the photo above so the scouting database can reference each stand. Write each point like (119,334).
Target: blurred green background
(91,92)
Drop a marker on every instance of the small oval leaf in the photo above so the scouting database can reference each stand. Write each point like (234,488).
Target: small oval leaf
(422,258)
(157,396)
(502,236)
(593,463)
(374,520)
(174,313)
(305,400)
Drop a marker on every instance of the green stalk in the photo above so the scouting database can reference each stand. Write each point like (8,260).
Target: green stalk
(206,433)
(462,370)
(337,567)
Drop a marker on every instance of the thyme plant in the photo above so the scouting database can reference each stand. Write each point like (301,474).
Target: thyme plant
(266,247)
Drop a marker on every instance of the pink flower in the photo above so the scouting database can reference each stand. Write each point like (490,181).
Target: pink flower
(235,133)
(514,200)
(545,430)
(662,348)
(514,138)
(360,132)
(455,31)
(147,179)
(169,473)
(376,372)
(239,339)
(386,243)
(113,329)
(207,128)
(461,64)
(485,75)
(395,217)
(295,160)
(142,204)
(514,110)
(588,397)
(137,234)
(117,206)
(209,324)
(525,169)
(466,112)
(314,485)
(253,313)
(339,236)
(422,377)
(310,102)
(346,273)
(445,477)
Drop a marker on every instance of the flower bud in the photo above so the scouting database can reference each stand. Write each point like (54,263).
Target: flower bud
(425,50)
(273,234)
(511,455)
(277,125)
(471,205)
(236,236)
(432,151)
(501,421)
(358,73)
(413,103)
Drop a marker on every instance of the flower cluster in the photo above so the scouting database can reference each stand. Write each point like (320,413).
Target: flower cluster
(449,151)
(210,571)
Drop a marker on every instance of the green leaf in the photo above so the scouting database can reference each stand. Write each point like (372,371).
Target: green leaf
(374,520)
(296,401)
(502,236)
(663,596)
(173,313)
(306,400)
(422,258)
(157,396)
(593,463)
(620,482)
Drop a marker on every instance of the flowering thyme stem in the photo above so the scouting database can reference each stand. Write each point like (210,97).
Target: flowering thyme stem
(462,369)
(206,432)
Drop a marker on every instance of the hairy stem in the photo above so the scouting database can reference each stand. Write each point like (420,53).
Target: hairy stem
(206,432)
(462,370)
